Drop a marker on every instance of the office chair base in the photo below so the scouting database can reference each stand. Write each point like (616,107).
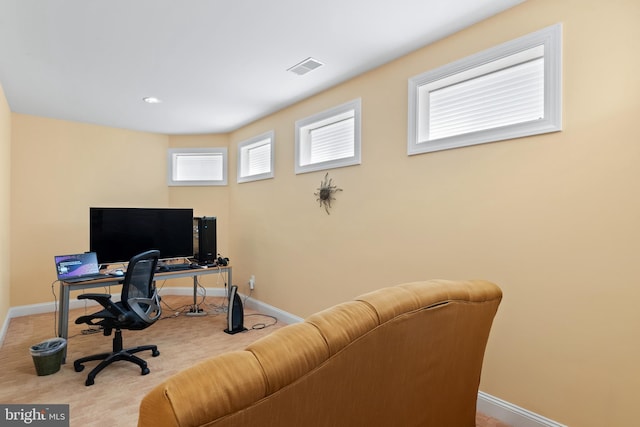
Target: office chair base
(117,354)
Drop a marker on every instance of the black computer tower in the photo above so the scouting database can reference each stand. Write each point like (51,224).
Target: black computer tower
(205,239)
(235,314)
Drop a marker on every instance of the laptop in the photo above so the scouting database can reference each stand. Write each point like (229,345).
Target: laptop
(78,267)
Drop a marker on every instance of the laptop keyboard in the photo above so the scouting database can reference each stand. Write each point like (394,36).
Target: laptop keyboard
(86,278)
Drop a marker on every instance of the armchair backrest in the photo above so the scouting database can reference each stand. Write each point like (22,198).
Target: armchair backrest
(407,355)
(139,294)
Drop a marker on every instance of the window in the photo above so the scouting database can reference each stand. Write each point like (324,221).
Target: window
(330,139)
(197,166)
(255,158)
(509,91)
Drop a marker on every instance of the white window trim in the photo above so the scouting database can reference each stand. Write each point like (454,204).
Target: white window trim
(173,152)
(550,38)
(248,143)
(303,126)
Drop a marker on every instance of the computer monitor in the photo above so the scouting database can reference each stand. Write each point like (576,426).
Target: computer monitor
(117,234)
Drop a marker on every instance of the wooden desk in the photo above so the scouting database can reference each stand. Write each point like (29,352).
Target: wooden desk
(66,288)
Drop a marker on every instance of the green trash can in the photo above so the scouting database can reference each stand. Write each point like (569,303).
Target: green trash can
(47,355)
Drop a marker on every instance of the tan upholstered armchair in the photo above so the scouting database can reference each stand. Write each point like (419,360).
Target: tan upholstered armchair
(408,355)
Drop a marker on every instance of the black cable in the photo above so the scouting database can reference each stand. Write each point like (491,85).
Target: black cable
(262,325)
(176,311)
(247,297)
(203,294)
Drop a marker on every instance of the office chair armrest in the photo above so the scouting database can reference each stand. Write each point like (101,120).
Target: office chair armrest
(96,297)
(105,301)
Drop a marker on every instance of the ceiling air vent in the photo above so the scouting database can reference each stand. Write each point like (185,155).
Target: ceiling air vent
(305,66)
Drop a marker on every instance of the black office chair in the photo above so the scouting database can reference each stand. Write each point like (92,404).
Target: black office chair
(138,308)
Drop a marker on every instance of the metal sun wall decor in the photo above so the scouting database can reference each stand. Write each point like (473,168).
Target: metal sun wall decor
(325,192)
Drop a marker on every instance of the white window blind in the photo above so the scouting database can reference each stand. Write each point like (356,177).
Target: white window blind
(502,98)
(197,167)
(329,139)
(259,159)
(333,141)
(509,91)
(255,158)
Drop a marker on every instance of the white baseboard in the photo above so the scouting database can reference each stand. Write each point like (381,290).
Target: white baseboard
(510,413)
(265,308)
(249,302)
(45,307)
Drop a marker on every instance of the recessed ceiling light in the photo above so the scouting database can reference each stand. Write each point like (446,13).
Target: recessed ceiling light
(151,100)
(305,66)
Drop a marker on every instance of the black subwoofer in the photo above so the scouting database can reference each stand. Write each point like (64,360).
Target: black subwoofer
(205,239)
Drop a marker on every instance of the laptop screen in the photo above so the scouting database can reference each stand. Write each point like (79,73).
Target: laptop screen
(77,265)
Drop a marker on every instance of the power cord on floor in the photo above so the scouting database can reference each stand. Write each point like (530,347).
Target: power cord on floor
(256,326)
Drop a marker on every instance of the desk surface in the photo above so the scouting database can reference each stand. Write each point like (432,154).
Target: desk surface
(163,275)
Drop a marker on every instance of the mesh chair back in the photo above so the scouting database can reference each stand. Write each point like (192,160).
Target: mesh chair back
(139,293)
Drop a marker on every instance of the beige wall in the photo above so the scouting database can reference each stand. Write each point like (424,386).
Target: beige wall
(5,171)
(553,219)
(60,169)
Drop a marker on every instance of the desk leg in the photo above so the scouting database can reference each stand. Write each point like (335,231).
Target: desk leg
(195,310)
(195,293)
(63,317)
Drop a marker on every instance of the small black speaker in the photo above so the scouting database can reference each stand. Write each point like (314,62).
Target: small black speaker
(205,245)
(235,315)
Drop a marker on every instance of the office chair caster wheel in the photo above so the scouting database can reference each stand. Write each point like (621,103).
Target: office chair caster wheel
(155,353)
(145,371)
(78,368)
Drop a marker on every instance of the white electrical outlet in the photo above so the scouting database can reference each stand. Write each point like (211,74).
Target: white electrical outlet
(252,282)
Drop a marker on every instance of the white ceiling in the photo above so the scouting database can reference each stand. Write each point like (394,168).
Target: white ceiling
(215,64)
